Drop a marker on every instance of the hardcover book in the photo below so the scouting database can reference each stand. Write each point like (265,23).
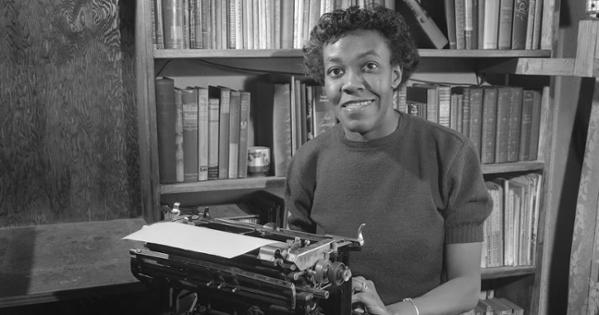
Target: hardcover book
(190,135)
(166,118)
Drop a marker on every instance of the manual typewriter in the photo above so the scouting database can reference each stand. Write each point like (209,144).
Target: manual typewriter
(301,273)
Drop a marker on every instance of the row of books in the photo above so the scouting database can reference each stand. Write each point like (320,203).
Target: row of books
(489,304)
(494,24)
(503,122)
(510,231)
(240,24)
(202,132)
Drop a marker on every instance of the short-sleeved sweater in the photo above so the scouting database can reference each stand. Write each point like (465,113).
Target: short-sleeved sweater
(417,189)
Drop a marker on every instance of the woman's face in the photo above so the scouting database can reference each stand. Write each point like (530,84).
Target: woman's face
(359,81)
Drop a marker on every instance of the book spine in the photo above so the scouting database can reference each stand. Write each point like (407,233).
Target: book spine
(281,128)
(520,20)
(190,135)
(535,125)
(503,111)
(244,120)
(287,21)
(525,126)
(277,24)
(530,22)
(172,14)
(491,24)
(248,24)
(460,21)
(504,36)
(451,22)
(428,25)
(476,104)
(515,119)
(206,24)
(489,125)
(186,24)
(179,163)
(234,114)
(443,93)
(536,31)
(203,135)
(166,116)
(466,112)
(223,141)
(213,138)
(158,24)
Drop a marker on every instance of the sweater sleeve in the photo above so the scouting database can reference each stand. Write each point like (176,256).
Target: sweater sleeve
(469,202)
(299,191)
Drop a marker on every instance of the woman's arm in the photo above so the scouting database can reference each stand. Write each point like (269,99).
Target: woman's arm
(459,294)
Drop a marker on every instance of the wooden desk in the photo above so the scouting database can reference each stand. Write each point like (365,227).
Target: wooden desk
(55,262)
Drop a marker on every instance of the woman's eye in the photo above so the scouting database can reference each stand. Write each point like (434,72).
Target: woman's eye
(371,66)
(335,72)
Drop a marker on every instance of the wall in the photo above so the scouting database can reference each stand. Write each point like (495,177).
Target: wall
(68,149)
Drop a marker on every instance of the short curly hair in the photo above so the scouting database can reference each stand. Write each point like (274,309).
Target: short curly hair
(334,25)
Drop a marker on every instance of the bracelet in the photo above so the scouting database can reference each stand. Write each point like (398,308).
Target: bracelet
(413,304)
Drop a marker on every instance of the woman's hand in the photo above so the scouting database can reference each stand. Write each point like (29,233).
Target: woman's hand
(364,292)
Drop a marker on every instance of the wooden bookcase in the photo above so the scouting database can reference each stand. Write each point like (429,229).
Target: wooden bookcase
(520,284)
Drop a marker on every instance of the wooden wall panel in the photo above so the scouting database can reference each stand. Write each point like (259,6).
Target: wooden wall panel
(68,148)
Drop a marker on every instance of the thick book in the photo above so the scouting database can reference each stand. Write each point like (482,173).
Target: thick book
(476,112)
(172,15)
(535,125)
(166,119)
(223,95)
(503,120)
(244,122)
(190,135)
(213,137)
(281,128)
(234,114)
(491,23)
(515,115)
(489,125)
(506,16)
(449,7)
(424,29)
(203,133)
(519,24)
(525,125)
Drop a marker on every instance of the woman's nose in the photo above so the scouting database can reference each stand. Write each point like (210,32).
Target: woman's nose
(353,82)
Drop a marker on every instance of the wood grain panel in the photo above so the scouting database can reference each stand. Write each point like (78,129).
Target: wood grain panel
(67,146)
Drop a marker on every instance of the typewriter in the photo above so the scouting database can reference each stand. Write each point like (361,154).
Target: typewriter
(298,273)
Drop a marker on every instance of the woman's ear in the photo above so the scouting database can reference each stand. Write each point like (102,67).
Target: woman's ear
(396,76)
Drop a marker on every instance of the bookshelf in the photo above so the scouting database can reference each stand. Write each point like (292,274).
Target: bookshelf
(521,284)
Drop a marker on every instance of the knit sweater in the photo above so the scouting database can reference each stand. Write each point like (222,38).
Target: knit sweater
(417,190)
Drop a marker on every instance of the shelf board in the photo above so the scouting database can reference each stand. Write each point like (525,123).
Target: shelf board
(224,185)
(503,272)
(297,53)
(512,167)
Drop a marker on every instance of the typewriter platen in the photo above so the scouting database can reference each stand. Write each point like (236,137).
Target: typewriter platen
(302,273)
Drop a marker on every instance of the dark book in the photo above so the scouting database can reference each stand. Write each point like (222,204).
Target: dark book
(424,29)
(190,135)
(525,126)
(416,99)
(206,24)
(234,114)
(223,95)
(244,121)
(476,112)
(157,22)
(515,108)
(535,125)
(172,15)
(203,133)
(503,120)
(449,7)
(166,119)
(489,125)
(519,24)
(179,167)
(506,16)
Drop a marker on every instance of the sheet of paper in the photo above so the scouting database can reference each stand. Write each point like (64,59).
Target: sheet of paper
(198,239)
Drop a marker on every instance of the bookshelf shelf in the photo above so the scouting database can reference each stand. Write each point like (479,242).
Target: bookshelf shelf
(297,53)
(224,185)
(513,167)
(510,271)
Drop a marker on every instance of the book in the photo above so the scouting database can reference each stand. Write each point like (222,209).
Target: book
(179,164)
(495,226)
(186,24)
(425,31)
(525,126)
(444,97)
(172,15)
(536,31)
(281,128)
(416,100)
(530,22)
(213,137)
(519,24)
(287,15)
(234,114)
(166,119)
(515,119)
(515,309)
(223,95)
(504,32)
(203,133)
(489,125)
(491,23)
(535,125)
(158,24)
(460,20)
(466,111)
(244,121)
(469,25)
(475,121)
(190,135)
(206,24)
(503,103)
(248,24)
(449,10)
(324,115)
